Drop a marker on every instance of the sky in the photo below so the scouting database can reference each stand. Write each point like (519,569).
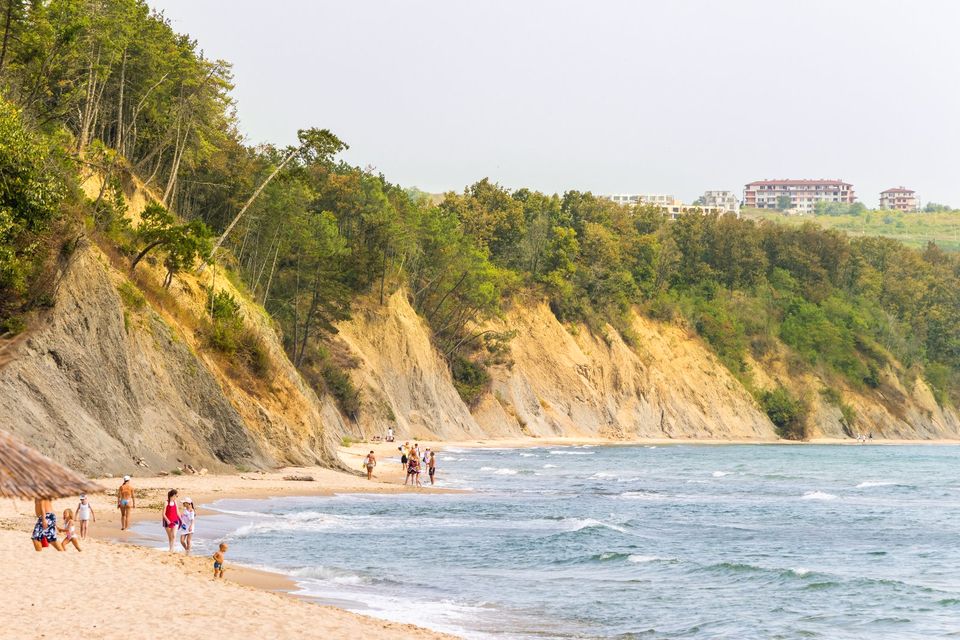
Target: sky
(644,96)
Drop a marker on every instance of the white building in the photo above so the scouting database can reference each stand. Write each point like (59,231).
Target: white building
(726,201)
(658,199)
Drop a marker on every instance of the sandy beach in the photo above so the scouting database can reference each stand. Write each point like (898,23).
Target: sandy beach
(117,590)
(114,589)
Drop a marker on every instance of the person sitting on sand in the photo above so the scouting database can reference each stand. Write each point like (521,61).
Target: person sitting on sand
(432,466)
(84,515)
(390,434)
(218,560)
(370,462)
(125,502)
(171,517)
(187,518)
(69,530)
(45,531)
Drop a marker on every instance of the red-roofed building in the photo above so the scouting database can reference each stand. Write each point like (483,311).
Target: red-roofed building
(899,198)
(803,195)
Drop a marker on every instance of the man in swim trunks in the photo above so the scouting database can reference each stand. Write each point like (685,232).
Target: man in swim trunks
(126,501)
(46,527)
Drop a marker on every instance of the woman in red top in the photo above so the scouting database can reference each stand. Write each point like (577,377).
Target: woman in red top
(171,517)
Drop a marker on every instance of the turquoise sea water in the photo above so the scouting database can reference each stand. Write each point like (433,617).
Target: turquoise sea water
(675,541)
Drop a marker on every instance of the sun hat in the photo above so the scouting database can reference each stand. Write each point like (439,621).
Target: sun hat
(83,496)
(187,501)
(126,478)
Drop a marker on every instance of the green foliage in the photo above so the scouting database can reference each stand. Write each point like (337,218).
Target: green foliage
(470,379)
(788,414)
(113,82)
(181,244)
(131,296)
(226,332)
(12,326)
(31,193)
(342,389)
(783,203)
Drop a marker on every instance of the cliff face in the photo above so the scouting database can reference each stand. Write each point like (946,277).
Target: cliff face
(100,383)
(99,386)
(566,381)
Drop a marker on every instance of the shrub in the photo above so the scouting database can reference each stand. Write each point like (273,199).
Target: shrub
(226,332)
(12,325)
(342,389)
(131,296)
(788,414)
(470,380)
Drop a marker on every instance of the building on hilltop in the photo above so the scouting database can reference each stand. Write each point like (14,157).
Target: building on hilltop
(799,196)
(659,199)
(900,199)
(677,209)
(724,200)
(670,205)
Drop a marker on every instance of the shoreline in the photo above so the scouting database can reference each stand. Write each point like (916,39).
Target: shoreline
(129,555)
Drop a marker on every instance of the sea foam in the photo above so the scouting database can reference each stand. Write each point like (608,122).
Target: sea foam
(818,495)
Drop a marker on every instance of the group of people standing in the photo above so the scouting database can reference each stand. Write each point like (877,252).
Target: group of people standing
(179,520)
(46,529)
(414,461)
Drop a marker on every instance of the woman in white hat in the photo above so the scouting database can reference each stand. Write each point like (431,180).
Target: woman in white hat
(125,502)
(187,517)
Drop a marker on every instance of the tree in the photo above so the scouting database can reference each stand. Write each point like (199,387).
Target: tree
(183,244)
(316,145)
(32,190)
(784,203)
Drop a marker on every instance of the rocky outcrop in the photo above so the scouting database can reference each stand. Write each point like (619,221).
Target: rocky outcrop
(100,387)
(565,380)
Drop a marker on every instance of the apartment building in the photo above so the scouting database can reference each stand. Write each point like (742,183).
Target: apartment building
(678,208)
(658,199)
(900,199)
(726,201)
(802,195)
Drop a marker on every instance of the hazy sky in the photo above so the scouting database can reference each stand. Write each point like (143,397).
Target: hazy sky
(647,96)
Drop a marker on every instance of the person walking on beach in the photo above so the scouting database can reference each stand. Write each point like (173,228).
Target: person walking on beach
(69,531)
(126,502)
(432,466)
(218,561)
(370,462)
(45,530)
(187,519)
(403,454)
(171,517)
(84,515)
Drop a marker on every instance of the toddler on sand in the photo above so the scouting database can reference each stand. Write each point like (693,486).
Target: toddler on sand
(69,530)
(218,561)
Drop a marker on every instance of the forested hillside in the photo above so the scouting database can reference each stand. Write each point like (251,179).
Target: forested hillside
(107,87)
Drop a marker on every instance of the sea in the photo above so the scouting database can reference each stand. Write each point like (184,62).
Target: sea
(669,541)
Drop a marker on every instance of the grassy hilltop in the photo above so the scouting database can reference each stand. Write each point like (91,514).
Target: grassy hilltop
(912,229)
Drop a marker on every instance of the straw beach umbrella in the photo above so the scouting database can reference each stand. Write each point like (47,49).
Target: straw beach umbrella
(27,473)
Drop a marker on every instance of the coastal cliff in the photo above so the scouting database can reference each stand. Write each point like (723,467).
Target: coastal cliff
(108,378)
